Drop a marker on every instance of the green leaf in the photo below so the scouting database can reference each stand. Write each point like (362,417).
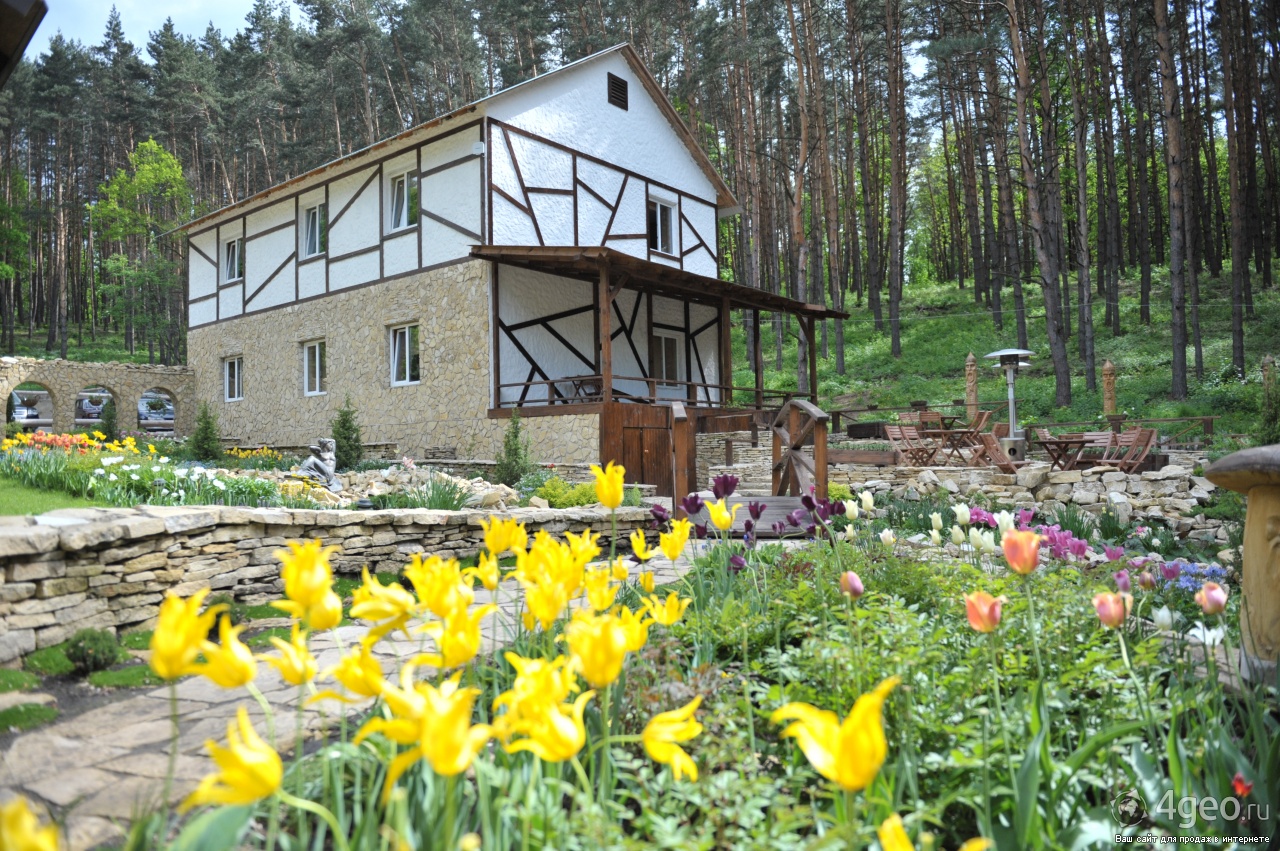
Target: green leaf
(1027,792)
(216,830)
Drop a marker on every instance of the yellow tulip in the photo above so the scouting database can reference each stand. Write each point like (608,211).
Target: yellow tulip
(646,582)
(582,548)
(663,733)
(326,613)
(850,753)
(307,580)
(19,829)
(458,637)
(601,591)
(609,483)
(668,612)
(556,734)
(722,517)
(358,672)
(229,663)
(539,685)
(672,543)
(295,662)
(640,546)
(249,768)
(636,625)
(620,570)
(893,837)
(437,722)
(390,604)
(501,535)
(486,570)
(440,585)
(180,633)
(598,644)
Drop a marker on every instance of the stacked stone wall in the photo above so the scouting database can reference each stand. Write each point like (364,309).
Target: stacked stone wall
(110,568)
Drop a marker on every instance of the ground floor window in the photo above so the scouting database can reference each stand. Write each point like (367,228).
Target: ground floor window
(233,379)
(404,355)
(315,379)
(666,357)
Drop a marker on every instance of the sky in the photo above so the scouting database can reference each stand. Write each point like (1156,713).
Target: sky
(86,20)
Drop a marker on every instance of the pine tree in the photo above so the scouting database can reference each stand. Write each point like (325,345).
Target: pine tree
(206,441)
(513,462)
(348,444)
(109,420)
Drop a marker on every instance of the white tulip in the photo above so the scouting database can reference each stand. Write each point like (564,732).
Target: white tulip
(888,538)
(975,538)
(868,500)
(1163,618)
(957,535)
(989,542)
(936,519)
(1004,521)
(1207,637)
(851,510)
(962,514)
(935,537)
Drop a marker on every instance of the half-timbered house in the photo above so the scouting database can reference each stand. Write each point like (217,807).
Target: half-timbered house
(551,249)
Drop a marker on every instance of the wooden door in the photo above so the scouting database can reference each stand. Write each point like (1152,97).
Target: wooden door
(639,438)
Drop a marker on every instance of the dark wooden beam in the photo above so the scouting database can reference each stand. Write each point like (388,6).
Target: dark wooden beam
(758,360)
(605,317)
(726,352)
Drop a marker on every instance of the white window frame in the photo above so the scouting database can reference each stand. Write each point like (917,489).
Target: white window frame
(315,223)
(678,338)
(405,206)
(233,271)
(233,379)
(411,354)
(315,382)
(655,240)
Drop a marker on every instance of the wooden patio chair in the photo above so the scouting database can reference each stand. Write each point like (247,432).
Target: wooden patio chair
(909,418)
(990,453)
(1099,447)
(1130,449)
(906,440)
(968,434)
(1000,430)
(930,419)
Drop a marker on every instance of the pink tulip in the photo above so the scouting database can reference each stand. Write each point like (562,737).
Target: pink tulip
(1212,598)
(1112,608)
(851,585)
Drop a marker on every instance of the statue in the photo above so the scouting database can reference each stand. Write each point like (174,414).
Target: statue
(322,465)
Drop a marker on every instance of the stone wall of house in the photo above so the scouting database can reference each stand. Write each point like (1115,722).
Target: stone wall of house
(447,408)
(110,568)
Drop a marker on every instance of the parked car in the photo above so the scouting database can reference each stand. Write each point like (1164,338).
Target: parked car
(21,410)
(90,407)
(153,406)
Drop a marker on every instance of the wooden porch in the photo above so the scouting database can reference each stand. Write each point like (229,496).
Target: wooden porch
(649,417)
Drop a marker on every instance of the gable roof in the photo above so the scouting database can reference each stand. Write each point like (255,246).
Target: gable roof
(725,202)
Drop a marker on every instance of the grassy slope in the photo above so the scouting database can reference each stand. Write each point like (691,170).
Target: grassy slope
(941,325)
(19,499)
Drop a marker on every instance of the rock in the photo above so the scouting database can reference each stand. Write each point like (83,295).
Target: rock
(1200,494)
(1032,477)
(1065,477)
(1120,507)
(1203,483)
(911,495)
(490,499)
(950,486)
(1084,498)
(10,699)
(928,478)
(538,502)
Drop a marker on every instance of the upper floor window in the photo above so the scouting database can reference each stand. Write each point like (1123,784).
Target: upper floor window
(659,227)
(233,260)
(404,201)
(233,379)
(404,356)
(315,230)
(315,380)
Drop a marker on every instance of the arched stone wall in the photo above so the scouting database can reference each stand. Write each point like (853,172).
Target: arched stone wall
(126,381)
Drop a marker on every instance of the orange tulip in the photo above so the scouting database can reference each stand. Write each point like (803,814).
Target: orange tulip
(1212,597)
(1021,550)
(1112,608)
(983,610)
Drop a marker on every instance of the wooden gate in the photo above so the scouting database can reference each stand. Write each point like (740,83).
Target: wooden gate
(639,438)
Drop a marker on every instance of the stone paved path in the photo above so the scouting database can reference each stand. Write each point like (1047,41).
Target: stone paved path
(102,767)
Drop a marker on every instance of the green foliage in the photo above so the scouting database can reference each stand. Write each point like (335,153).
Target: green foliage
(531,481)
(11,680)
(560,494)
(134,676)
(140,640)
(237,613)
(838,491)
(513,462)
(911,516)
(440,493)
(109,423)
(1110,528)
(206,441)
(348,444)
(92,650)
(1071,518)
(1269,426)
(26,716)
(18,498)
(49,662)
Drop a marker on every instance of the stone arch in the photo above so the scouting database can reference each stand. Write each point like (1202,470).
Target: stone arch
(146,392)
(44,400)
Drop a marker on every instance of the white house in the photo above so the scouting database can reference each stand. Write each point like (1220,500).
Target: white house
(455,272)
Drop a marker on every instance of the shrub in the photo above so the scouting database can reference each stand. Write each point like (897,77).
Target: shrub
(206,441)
(92,650)
(237,612)
(513,461)
(837,491)
(348,443)
(531,481)
(1269,428)
(441,493)
(560,494)
(1110,528)
(12,429)
(1070,518)
(109,422)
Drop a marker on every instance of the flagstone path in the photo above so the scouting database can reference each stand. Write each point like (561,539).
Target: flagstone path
(101,768)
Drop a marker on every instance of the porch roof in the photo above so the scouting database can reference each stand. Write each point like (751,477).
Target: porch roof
(626,271)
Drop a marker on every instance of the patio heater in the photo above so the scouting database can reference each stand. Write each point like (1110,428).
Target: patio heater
(1010,360)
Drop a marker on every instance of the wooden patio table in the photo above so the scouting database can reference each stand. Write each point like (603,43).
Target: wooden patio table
(953,440)
(1064,452)
(950,420)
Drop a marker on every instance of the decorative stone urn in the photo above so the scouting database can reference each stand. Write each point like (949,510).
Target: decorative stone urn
(1256,473)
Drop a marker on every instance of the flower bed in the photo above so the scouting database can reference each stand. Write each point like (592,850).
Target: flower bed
(842,694)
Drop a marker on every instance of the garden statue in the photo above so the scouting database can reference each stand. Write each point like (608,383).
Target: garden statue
(1256,472)
(322,465)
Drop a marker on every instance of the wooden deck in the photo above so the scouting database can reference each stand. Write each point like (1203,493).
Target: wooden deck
(776,508)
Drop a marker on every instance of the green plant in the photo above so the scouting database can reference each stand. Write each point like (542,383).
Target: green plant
(531,481)
(838,491)
(49,662)
(91,650)
(26,715)
(440,493)
(513,462)
(1110,528)
(1071,518)
(109,420)
(12,429)
(17,680)
(560,494)
(238,613)
(1269,426)
(206,441)
(348,443)
(134,676)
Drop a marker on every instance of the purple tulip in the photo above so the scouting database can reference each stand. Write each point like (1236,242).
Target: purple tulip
(749,540)
(736,563)
(748,526)
(700,531)
(779,528)
(808,502)
(851,585)
(660,514)
(724,485)
(1122,581)
(1171,570)
(837,508)
(756,509)
(1146,581)
(1113,553)
(692,504)
(797,517)
(811,529)
(824,511)
(1024,516)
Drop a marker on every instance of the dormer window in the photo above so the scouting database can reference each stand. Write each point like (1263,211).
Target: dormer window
(404,201)
(233,260)
(659,227)
(617,91)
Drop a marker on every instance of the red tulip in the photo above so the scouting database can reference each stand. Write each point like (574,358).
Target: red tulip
(983,610)
(1113,608)
(1021,550)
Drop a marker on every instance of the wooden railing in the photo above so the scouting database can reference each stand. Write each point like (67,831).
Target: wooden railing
(587,389)
(1175,432)
(795,471)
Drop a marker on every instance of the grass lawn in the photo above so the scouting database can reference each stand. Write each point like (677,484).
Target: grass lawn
(17,498)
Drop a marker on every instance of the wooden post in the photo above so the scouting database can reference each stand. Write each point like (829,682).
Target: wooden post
(820,459)
(679,457)
(605,314)
(1256,472)
(971,386)
(494,316)
(758,366)
(777,457)
(726,354)
(813,360)
(1108,387)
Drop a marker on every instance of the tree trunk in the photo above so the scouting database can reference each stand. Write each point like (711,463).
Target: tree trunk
(1177,218)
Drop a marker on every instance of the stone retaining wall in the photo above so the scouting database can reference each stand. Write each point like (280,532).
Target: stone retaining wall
(110,568)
